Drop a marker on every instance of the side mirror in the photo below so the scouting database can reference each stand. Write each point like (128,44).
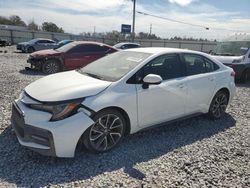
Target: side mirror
(151,79)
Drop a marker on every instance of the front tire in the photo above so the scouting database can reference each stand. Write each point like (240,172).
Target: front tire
(106,133)
(245,76)
(218,105)
(51,66)
(30,49)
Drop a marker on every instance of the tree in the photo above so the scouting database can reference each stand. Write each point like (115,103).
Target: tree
(51,27)
(4,20)
(12,20)
(16,20)
(32,26)
(142,35)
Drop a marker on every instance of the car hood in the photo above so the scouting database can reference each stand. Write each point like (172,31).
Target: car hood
(65,86)
(23,43)
(43,53)
(227,59)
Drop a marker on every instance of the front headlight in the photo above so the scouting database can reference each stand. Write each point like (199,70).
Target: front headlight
(59,111)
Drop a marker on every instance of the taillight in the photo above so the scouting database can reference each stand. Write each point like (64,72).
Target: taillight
(233,74)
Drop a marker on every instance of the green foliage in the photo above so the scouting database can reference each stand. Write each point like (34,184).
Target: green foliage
(32,26)
(12,20)
(51,27)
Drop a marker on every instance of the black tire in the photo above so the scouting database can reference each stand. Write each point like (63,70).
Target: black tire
(30,49)
(218,105)
(245,76)
(51,66)
(106,133)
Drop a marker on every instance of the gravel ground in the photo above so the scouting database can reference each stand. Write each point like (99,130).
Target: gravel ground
(194,153)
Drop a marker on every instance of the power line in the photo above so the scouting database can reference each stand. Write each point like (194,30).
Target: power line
(186,23)
(172,20)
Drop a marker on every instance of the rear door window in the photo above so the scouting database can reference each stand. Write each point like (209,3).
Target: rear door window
(197,64)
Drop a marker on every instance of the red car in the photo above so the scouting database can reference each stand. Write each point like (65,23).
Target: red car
(68,57)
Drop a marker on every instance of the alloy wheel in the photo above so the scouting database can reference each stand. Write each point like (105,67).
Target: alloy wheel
(51,67)
(106,132)
(219,105)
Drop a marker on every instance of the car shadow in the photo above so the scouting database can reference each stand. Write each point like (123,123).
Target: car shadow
(247,84)
(25,168)
(29,71)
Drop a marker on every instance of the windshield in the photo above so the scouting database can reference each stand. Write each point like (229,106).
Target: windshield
(114,66)
(118,45)
(65,47)
(33,41)
(231,48)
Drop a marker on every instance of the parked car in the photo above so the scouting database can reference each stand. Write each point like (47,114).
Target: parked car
(71,56)
(119,94)
(3,42)
(62,43)
(235,53)
(36,44)
(126,45)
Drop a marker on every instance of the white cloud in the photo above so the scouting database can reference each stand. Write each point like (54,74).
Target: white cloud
(109,16)
(182,2)
(94,6)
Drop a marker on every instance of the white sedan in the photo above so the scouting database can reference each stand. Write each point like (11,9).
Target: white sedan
(117,95)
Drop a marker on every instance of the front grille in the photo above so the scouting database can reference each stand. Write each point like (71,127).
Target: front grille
(19,47)
(17,120)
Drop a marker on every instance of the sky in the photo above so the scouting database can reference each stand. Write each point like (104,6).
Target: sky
(222,17)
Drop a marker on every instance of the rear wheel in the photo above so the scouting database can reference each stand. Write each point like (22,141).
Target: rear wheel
(51,66)
(106,133)
(218,105)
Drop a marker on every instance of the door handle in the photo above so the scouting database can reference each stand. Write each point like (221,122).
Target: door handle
(87,56)
(212,79)
(180,86)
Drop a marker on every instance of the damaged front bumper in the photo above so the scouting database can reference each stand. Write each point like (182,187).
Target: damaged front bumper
(35,131)
(35,64)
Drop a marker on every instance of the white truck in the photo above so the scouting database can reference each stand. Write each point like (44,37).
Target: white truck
(235,53)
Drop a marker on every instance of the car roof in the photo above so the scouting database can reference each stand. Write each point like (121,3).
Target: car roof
(92,42)
(122,43)
(42,39)
(160,50)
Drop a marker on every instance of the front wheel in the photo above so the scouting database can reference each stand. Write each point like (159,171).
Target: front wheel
(218,105)
(51,66)
(106,133)
(30,49)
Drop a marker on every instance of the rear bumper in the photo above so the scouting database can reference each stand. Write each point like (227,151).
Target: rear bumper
(238,69)
(58,138)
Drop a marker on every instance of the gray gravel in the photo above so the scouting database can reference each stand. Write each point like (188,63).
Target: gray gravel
(194,153)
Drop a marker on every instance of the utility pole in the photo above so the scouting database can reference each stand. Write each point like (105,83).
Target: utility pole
(94,31)
(133,26)
(150,30)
